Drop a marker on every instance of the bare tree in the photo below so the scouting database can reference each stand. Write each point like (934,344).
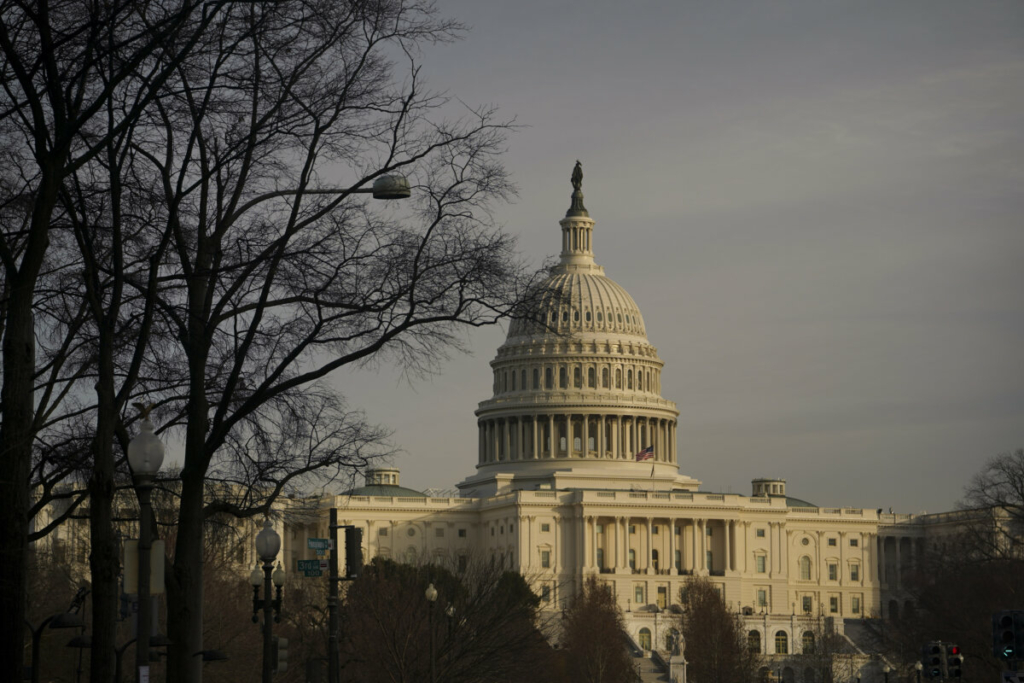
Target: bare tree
(716,647)
(483,625)
(62,62)
(593,638)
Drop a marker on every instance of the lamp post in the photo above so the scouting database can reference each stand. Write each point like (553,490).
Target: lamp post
(145,455)
(886,671)
(431,595)
(268,543)
(63,620)
(918,666)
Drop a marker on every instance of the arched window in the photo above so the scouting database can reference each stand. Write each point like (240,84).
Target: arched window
(577,377)
(565,316)
(522,380)
(549,380)
(632,560)
(805,568)
(588,316)
(754,642)
(620,318)
(513,380)
(575,316)
(640,381)
(599,317)
(808,643)
(591,444)
(591,377)
(781,643)
(645,638)
(563,442)
(504,380)
(629,379)
(604,378)
(536,378)
(563,379)
(618,378)
(627,318)
(577,444)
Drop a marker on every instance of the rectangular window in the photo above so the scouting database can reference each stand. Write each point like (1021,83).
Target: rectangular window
(854,542)
(600,558)
(711,564)
(382,531)
(662,597)
(679,559)
(762,597)
(760,561)
(600,528)
(536,378)
(679,530)
(563,380)
(463,563)
(855,605)
(492,531)
(545,559)
(638,594)
(545,527)
(854,572)
(833,605)
(632,528)
(439,532)
(545,593)
(654,529)
(833,572)
(709,531)
(832,542)
(759,533)
(511,528)
(806,604)
(462,533)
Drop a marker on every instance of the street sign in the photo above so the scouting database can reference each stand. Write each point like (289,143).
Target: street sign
(318,544)
(312,568)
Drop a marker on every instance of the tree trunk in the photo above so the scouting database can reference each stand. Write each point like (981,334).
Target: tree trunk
(17,429)
(185,603)
(104,562)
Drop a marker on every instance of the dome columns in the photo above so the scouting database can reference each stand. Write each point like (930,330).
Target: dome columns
(574,436)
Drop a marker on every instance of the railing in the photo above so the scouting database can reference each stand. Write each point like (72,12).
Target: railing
(714,496)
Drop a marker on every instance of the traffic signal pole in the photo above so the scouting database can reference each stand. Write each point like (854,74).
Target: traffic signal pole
(333,663)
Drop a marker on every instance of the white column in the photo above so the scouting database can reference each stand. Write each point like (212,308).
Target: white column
(593,544)
(727,542)
(601,441)
(585,441)
(672,546)
(534,424)
(551,435)
(694,528)
(650,547)
(521,440)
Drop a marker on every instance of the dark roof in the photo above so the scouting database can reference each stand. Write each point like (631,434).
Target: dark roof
(797,503)
(384,490)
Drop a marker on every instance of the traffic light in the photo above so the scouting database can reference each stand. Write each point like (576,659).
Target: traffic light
(932,659)
(279,662)
(954,661)
(1008,634)
(353,552)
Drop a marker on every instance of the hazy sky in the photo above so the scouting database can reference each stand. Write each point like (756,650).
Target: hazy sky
(818,206)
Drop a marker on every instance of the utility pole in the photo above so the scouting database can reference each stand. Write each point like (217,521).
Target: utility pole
(333,672)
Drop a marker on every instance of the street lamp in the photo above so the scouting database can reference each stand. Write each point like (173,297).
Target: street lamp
(431,595)
(145,455)
(886,671)
(62,620)
(918,666)
(268,543)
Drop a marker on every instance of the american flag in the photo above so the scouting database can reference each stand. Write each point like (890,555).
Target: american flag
(645,454)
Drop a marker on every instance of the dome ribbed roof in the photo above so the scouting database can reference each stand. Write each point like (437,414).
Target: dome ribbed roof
(581,301)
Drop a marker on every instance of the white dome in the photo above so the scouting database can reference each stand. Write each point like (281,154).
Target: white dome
(577,386)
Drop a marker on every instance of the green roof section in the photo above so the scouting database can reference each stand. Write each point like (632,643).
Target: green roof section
(384,490)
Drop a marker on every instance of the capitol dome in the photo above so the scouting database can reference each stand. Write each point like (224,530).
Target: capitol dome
(577,385)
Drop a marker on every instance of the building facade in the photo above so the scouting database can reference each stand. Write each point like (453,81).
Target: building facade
(577,475)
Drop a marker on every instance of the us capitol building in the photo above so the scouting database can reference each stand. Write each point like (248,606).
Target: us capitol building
(578,475)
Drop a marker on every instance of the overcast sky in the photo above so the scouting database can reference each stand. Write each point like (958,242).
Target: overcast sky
(818,207)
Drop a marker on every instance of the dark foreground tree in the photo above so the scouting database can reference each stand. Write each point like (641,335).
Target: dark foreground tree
(593,640)
(483,621)
(716,647)
(968,573)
